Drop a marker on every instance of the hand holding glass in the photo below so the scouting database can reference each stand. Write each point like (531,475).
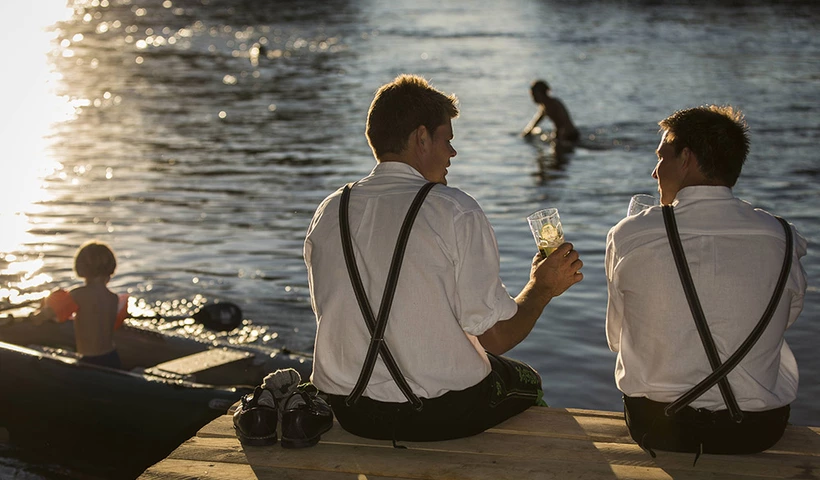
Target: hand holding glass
(547,230)
(640,202)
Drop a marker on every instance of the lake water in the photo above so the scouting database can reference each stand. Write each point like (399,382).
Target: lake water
(152,126)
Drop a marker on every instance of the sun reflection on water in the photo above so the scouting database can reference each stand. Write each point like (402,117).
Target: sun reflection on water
(29,109)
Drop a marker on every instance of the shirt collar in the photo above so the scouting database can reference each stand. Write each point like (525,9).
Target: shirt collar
(395,168)
(703,192)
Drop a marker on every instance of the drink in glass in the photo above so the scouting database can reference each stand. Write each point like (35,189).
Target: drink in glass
(546,230)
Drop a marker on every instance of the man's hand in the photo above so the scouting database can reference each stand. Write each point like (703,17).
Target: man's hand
(554,274)
(549,277)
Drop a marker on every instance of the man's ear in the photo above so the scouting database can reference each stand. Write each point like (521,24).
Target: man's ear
(422,137)
(688,159)
(691,167)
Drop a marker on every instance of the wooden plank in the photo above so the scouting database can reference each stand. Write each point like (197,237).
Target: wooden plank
(201,361)
(540,443)
(537,421)
(500,443)
(598,461)
(582,425)
(217,366)
(520,440)
(172,469)
(803,440)
(220,427)
(766,464)
(387,461)
(798,439)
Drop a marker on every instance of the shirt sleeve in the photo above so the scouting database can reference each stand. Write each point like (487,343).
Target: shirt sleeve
(615,301)
(797,278)
(481,299)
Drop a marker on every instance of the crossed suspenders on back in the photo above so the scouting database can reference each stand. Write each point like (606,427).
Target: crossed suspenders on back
(719,371)
(377,326)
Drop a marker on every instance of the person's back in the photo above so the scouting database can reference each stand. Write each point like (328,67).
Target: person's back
(426,325)
(735,255)
(95,319)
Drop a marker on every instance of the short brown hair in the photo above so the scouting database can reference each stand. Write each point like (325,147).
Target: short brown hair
(539,86)
(94,259)
(402,106)
(717,135)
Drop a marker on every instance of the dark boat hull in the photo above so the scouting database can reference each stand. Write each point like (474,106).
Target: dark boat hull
(103,416)
(116,423)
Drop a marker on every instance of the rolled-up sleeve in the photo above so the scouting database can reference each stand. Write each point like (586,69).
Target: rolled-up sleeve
(615,303)
(481,298)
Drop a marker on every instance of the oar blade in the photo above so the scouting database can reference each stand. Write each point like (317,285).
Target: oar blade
(222,317)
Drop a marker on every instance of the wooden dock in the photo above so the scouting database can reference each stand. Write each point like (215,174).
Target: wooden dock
(541,443)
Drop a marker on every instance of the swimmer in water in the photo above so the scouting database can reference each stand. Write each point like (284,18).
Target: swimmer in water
(566,135)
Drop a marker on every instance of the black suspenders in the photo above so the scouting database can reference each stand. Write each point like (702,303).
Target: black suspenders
(377,327)
(719,371)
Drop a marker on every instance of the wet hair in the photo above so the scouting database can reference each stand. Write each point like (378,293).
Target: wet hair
(717,135)
(402,106)
(94,259)
(539,86)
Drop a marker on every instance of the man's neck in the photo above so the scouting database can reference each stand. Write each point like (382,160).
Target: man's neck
(399,158)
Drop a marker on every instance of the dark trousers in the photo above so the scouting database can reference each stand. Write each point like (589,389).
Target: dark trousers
(508,390)
(692,428)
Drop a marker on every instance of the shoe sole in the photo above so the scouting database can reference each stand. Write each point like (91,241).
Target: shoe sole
(303,442)
(255,441)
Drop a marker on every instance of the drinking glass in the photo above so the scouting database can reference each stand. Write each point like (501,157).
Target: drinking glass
(640,202)
(547,230)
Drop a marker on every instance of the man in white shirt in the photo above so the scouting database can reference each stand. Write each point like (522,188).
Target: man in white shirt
(451,316)
(735,254)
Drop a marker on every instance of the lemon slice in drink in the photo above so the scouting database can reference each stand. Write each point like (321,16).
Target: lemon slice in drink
(551,235)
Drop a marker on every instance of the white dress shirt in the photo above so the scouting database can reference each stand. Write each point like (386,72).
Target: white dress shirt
(449,290)
(735,253)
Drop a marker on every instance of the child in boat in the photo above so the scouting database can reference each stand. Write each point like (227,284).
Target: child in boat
(96,311)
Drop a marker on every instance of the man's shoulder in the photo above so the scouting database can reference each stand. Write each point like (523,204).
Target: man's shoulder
(328,199)
(735,215)
(455,197)
(644,223)
(443,195)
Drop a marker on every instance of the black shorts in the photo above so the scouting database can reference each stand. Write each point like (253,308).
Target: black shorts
(690,429)
(508,390)
(110,359)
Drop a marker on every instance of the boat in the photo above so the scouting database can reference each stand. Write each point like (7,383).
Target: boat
(117,422)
